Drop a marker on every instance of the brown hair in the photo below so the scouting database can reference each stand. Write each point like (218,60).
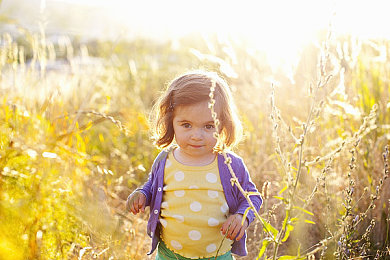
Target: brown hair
(191,88)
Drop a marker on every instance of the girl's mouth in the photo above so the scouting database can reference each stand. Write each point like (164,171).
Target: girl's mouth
(196,146)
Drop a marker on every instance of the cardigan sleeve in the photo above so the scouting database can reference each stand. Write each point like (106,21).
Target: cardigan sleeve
(146,189)
(247,184)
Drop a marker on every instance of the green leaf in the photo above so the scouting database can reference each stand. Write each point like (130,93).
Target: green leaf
(294,220)
(304,210)
(369,179)
(245,214)
(282,190)
(288,230)
(279,198)
(287,257)
(286,219)
(252,193)
(264,245)
(299,250)
(269,228)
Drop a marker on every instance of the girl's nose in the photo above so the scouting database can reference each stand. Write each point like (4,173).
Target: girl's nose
(197,134)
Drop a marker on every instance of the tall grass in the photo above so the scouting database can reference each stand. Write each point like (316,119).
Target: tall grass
(74,143)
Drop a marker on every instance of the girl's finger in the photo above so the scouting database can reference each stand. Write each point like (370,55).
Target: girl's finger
(231,229)
(239,230)
(142,201)
(135,206)
(139,203)
(225,226)
(128,205)
(132,207)
(241,234)
(234,229)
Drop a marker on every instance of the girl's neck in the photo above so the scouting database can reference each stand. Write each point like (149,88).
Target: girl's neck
(191,160)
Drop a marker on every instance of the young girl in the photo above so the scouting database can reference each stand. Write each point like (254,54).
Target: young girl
(195,211)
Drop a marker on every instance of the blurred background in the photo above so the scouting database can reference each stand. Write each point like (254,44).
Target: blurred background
(78,79)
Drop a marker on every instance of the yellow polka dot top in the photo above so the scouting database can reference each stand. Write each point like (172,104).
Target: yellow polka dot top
(193,210)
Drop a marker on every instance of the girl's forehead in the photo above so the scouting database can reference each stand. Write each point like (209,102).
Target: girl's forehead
(197,107)
(196,112)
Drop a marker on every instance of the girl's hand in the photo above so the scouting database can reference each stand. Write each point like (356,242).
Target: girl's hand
(236,230)
(136,202)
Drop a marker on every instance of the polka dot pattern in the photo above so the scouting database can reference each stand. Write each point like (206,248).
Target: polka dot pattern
(224,208)
(194,235)
(168,163)
(193,209)
(195,206)
(179,193)
(179,218)
(212,222)
(176,244)
(211,177)
(179,176)
(211,248)
(163,222)
(212,194)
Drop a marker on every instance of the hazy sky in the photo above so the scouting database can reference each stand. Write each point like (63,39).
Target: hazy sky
(250,17)
(280,27)
(366,18)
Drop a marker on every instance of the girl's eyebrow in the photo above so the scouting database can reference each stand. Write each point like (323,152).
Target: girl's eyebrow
(188,121)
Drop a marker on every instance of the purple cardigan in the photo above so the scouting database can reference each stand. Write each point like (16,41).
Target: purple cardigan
(153,190)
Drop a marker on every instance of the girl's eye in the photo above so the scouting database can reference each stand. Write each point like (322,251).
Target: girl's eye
(209,127)
(186,125)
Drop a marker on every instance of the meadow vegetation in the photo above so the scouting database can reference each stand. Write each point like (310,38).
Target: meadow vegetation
(74,143)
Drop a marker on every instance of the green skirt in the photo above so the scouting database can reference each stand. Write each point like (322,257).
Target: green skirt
(163,253)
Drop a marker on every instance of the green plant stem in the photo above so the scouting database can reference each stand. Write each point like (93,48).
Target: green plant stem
(228,161)
(300,156)
(321,83)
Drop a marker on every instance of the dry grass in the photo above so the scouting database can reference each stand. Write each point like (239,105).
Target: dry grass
(74,143)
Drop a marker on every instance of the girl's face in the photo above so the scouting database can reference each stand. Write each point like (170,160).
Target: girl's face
(194,127)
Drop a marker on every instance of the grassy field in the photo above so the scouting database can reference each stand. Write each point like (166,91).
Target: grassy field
(74,143)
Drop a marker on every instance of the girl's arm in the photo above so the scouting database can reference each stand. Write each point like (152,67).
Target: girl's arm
(247,184)
(146,189)
(140,198)
(136,202)
(234,228)
(233,225)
